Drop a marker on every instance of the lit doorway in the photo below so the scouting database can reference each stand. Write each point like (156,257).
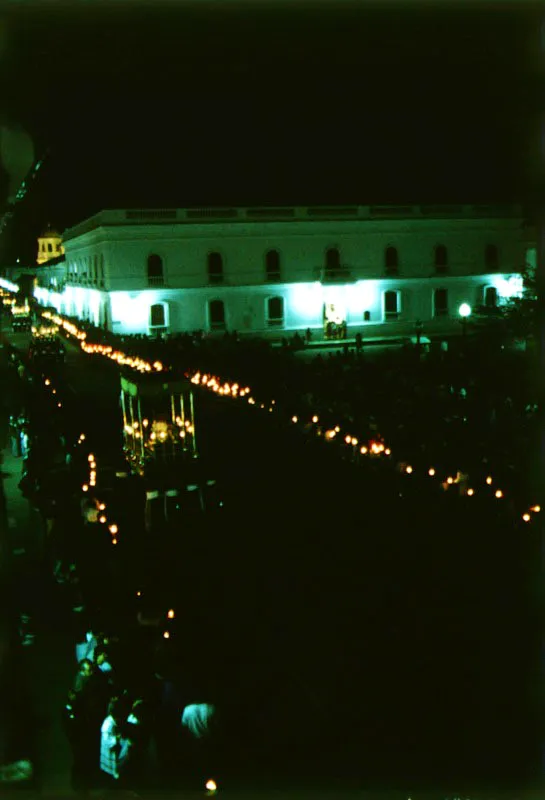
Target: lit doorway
(335,320)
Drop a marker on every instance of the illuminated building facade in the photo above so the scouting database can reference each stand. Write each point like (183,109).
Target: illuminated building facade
(375,270)
(49,246)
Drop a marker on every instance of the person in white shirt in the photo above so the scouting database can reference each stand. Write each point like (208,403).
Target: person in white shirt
(197,718)
(198,723)
(86,649)
(110,740)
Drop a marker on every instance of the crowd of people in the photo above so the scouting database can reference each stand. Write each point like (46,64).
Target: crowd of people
(130,718)
(128,709)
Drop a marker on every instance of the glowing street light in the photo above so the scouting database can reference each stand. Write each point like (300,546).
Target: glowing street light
(465,312)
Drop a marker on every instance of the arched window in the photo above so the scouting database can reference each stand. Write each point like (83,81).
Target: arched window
(391,260)
(158,316)
(491,256)
(49,247)
(491,297)
(216,312)
(391,305)
(215,268)
(272,265)
(275,311)
(441,258)
(155,270)
(332,258)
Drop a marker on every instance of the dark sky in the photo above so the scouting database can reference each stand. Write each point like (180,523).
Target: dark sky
(215,103)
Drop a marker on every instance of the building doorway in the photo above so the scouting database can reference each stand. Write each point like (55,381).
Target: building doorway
(334,320)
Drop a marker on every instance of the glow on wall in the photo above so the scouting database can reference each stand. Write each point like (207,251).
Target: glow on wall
(508,287)
(307,301)
(131,310)
(47,298)
(74,301)
(11,287)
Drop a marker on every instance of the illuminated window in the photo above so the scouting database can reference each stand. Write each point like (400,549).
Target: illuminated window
(441,258)
(391,260)
(391,305)
(275,311)
(215,268)
(440,303)
(491,297)
(272,265)
(332,258)
(158,316)
(491,259)
(155,270)
(216,312)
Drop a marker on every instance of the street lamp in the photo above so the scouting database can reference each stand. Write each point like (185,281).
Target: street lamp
(418,326)
(464,312)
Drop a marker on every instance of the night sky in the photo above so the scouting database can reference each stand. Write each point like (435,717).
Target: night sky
(215,103)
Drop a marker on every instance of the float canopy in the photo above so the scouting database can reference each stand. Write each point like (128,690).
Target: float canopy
(154,386)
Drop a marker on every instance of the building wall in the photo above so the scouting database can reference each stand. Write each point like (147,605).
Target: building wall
(301,245)
(106,270)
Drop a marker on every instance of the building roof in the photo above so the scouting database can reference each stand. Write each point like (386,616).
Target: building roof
(53,261)
(170,216)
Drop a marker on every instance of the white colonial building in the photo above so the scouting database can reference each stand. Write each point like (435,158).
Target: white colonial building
(266,271)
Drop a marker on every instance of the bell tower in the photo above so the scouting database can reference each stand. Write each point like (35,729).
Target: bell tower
(49,245)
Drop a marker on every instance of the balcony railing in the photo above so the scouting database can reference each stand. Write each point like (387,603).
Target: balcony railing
(340,274)
(156,280)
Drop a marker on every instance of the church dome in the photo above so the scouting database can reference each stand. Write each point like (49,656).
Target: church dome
(50,233)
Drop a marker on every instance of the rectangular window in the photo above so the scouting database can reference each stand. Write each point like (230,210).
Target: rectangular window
(215,268)
(491,297)
(157,316)
(216,310)
(391,305)
(275,311)
(440,303)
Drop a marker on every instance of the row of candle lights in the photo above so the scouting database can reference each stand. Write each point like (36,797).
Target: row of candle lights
(372,448)
(92,480)
(234,390)
(134,362)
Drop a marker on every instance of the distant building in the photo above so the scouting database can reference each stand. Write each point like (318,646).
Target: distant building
(49,246)
(375,270)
